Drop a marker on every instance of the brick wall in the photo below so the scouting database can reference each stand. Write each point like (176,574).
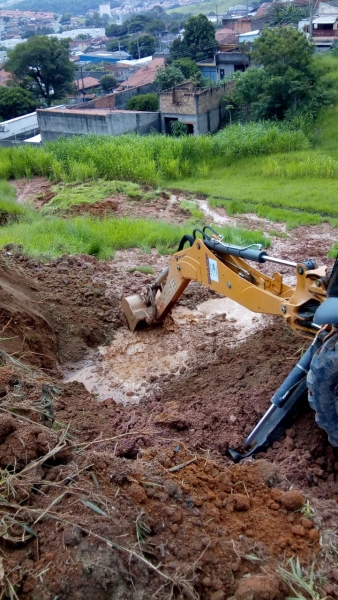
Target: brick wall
(118,100)
(185,100)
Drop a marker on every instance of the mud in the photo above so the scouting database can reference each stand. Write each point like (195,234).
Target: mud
(115,476)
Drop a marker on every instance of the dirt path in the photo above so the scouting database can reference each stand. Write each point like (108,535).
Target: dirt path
(123,486)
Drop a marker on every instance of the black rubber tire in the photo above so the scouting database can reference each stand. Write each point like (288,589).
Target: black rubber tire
(322,382)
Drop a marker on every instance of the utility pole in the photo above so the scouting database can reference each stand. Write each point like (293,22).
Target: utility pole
(139,48)
(312,6)
(119,48)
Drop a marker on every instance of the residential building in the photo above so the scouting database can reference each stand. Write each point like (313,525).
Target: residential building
(104,9)
(325,26)
(200,109)
(143,76)
(104,57)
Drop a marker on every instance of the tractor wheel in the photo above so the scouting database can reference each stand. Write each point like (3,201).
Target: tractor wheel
(322,382)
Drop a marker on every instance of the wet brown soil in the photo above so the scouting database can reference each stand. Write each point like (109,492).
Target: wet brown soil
(139,499)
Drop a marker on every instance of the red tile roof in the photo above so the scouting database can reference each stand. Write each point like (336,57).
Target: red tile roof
(4,77)
(264,9)
(88,82)
(227,36)
(145,75)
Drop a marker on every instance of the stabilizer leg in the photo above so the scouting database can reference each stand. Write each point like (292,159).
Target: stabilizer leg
(283,401)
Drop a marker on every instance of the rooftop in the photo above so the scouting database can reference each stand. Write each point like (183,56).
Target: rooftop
(87,82)
(227,36)
(145,75)
(101,112)
(102,55)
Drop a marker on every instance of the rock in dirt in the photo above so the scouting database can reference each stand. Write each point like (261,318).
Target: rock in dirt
(258,587)
(7,426)
(241,502)
(292,500)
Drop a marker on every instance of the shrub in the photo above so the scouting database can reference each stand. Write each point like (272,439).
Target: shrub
(143,102)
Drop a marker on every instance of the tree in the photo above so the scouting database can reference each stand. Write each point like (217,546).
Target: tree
(114,30)
(66,18)
(14,102)
(143,102)
(121,43)
(286,79)
(168,78)
(155,26)
(96,20)
(38,31)
(42,66)
(281,49)
(178,49)
(187,66)
(190,71)
(178,128)
(199,37)
(287,14)
(108,82)
(145,45)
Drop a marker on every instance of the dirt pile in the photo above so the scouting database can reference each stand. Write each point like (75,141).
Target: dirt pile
(67,295)
(80,521)
(140,501)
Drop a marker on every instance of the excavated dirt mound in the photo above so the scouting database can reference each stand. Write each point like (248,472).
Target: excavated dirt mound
(134,496)
(82,521)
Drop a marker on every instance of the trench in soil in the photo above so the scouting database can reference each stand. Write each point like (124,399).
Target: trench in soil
(136,407)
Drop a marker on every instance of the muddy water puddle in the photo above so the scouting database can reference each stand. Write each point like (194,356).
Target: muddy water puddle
(128,368)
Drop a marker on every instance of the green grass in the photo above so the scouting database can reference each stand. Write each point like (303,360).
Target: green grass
(272,188)
(89,192)
(142,269)
(147,159)
(9,208)
(203,8)
(49,237)
(197,216)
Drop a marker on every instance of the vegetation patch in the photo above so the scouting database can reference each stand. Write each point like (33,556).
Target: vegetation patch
(9,208)
(142,269)
(149,159)
(90,192)
(192,207)
(51,237)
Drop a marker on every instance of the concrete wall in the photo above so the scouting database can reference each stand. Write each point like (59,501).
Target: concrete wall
(54,124)
(207,122)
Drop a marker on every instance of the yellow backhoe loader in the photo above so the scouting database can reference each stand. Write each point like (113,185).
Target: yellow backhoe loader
(310,309)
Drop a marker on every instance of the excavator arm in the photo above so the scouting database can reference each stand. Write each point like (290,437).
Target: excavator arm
(228,270)
(224,268)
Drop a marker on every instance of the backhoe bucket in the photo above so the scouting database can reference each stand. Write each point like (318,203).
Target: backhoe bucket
(136,311)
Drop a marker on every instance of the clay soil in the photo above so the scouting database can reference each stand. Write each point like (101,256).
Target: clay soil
(132,494)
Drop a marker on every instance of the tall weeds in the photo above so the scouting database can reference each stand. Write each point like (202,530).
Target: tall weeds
(146,159)
(51,237)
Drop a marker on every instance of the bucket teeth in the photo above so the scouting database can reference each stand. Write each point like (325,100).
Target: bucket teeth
(136,311)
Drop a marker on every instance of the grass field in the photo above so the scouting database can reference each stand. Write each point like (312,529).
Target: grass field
(273,170)
(204,8)
(9,208)
(50,237)
(265,186)
(147,159)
